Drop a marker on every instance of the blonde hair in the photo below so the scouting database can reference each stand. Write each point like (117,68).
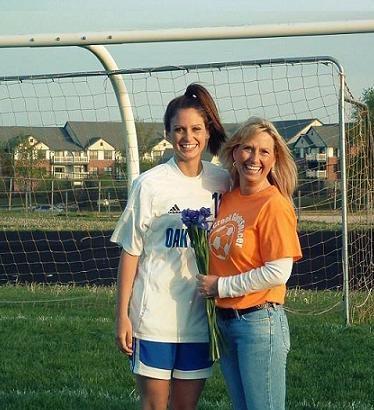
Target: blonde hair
(284,173)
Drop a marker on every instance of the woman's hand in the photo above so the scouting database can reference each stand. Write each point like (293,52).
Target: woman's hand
(207,285)
(124,335)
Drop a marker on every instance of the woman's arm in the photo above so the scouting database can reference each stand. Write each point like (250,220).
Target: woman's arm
(126,274)
(271,274)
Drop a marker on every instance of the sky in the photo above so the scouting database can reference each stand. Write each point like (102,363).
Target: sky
(354,51)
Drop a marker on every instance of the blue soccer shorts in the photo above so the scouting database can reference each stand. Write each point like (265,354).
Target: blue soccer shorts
(161,360)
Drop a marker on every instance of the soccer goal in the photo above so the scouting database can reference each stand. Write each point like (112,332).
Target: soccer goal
(63,174)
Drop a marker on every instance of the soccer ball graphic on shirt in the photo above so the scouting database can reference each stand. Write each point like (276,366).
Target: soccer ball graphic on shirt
(221,239)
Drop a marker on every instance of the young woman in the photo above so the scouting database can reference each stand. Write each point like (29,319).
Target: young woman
(253,244)
(161,319)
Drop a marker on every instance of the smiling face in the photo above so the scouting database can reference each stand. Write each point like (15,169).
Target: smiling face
(189,137)
(254,159)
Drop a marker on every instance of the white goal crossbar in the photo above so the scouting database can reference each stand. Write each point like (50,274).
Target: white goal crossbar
(190,34)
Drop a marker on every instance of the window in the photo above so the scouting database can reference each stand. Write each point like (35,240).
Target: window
(107,170)
(94,154)
(108,154)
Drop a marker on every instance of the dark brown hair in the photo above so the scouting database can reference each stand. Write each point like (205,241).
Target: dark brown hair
(196,96)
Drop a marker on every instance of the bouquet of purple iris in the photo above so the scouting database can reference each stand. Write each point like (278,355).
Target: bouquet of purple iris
(197,229)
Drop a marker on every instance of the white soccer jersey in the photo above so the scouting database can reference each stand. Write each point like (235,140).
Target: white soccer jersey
(165,305)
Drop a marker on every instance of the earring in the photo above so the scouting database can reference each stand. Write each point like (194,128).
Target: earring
(234,164)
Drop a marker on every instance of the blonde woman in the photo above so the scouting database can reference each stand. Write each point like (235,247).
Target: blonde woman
(253,244)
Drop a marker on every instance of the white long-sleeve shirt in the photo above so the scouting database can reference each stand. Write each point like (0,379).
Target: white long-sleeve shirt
(271,274)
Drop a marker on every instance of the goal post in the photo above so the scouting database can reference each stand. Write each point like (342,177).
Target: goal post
(124,104)
(65,169)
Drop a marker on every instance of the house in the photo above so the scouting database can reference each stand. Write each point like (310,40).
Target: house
(43,142)
(75,151)
(290,130)
(82,149)
(157,150)
(319,148)
(103,145)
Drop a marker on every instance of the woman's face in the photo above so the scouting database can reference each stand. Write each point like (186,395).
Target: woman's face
(254,160)
(188,134)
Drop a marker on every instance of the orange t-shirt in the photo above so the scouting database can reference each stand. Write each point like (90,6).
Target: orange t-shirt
(249,231)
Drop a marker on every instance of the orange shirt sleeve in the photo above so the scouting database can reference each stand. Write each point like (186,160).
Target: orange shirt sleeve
(277,231)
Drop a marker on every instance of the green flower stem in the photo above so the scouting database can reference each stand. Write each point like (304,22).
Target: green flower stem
(214,333)
(199,242)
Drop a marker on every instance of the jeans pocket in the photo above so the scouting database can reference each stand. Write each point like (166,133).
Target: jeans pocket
(258,316)
(285,331)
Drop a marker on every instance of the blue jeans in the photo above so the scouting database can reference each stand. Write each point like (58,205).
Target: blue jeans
(253,361)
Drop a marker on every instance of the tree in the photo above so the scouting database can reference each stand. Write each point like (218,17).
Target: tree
(20,159)
(3,161)
(360,151)
(368,99)
(147,135)
(27,162)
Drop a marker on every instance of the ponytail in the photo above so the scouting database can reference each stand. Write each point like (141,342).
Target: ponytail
(198,97)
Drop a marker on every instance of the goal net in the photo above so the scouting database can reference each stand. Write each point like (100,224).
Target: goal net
(63,168)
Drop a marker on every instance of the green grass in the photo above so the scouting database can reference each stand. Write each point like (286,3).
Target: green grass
(45,221)
(95,221)
(58,352)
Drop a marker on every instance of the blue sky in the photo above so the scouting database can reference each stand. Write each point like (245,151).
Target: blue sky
(355,52)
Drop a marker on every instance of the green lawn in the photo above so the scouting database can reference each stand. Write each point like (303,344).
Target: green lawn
(49,221)
(98,221)
(58,352)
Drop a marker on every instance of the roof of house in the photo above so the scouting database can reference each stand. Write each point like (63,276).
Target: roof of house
(230,128)
(329,134)
(304,141)
(288,129)
(55,138)
(154,130)
(84,133)
(78,135)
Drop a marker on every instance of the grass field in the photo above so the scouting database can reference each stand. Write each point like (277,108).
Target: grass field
(57,352)
(44,221)
(104,221)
